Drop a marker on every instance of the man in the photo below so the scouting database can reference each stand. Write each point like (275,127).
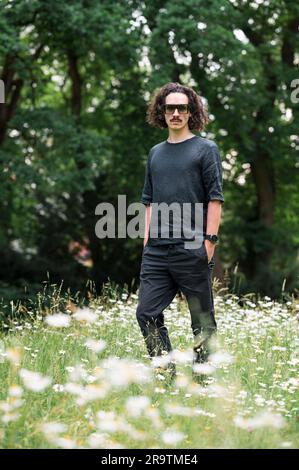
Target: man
(185,168)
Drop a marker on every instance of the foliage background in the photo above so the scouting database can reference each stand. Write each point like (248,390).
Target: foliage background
(78,76)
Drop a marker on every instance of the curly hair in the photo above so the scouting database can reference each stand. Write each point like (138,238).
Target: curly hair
(155,112)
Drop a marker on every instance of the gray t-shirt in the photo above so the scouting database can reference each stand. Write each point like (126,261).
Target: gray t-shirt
(184,172)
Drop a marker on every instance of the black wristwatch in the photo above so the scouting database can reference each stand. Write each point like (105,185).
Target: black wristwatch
(212,238)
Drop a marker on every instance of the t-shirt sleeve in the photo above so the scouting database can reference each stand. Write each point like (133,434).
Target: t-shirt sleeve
(147,193)
(212,174)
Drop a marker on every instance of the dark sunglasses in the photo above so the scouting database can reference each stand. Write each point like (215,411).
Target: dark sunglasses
(170,108)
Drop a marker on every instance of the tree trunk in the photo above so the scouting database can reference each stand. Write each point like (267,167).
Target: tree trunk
(89,197)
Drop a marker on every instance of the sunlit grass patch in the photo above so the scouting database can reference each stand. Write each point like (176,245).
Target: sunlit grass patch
(82,378)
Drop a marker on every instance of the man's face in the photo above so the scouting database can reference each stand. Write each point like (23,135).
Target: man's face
(173,117)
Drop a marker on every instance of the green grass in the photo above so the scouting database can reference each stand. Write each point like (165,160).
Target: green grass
(260,376)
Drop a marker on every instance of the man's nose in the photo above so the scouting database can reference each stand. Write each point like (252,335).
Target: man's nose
(176,113)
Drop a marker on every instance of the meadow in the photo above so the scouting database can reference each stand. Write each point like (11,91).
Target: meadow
(79,377)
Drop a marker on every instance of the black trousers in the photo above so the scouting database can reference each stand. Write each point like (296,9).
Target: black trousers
(164,270)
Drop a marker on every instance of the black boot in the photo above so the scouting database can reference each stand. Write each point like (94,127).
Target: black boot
(201,353)
(156,348)
(153,341)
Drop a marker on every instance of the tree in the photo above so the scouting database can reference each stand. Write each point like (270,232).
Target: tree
(241,56)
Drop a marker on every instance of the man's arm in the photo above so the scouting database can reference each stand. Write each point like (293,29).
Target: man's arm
(148,215)
(212,179)
(213,223)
